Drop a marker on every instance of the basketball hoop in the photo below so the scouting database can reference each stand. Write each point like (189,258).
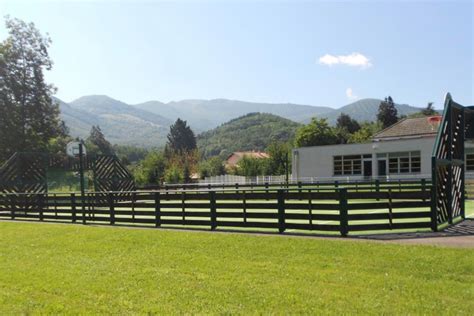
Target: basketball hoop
(72,149)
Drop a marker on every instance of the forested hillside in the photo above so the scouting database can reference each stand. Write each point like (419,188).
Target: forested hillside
(121,123)
(254,131)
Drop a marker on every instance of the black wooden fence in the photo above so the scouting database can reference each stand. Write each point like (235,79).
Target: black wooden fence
(337,209)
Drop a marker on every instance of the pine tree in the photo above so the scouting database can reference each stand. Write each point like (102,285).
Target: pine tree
(29,116)
(97,142)
(388,114)
(181,138)
(344,121)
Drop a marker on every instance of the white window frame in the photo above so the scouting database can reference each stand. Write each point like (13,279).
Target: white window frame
(351,161)
(410,155)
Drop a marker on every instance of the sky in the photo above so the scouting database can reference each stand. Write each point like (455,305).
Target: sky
(311,52)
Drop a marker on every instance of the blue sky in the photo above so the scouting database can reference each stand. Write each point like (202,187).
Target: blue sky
(317,53)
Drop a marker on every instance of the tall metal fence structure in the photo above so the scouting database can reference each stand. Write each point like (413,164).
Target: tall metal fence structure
(448,163)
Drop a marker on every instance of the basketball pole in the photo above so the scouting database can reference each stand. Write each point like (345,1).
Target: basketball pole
(81,175)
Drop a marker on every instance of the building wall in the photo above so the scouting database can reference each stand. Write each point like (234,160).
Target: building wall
(318,161)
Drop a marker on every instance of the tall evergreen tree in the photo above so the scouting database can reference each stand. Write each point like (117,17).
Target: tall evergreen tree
(344,121)
(181,138)
(29,116)
(388,114)
(97,142)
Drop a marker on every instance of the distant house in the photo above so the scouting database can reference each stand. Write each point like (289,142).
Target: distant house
(399,151)
(233,160)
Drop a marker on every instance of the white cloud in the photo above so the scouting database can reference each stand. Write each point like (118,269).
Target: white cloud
(350,94)
(354,60)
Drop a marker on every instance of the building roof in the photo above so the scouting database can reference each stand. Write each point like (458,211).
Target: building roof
(410,127)
(235,157)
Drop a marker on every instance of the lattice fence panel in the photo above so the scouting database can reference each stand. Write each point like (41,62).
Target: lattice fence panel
(448,163)
(111,175)
(441,193)
(24,173)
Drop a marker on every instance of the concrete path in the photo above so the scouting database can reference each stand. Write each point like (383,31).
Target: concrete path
(460,235)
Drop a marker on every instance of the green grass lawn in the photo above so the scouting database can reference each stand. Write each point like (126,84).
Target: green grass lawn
(57,268)
(469,208)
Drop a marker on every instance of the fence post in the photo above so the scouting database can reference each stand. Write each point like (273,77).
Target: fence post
(299,189)
(377,187)
(244,204)
(434,210)
(423,187)
(13,203)
(112,209)
(183,206)
(266,189)
(73,207)
(281,210)
(390,211)
(310,209)
(343,221)
(212,205)
(134,200)
(83,206)
(157,209)
(40,206)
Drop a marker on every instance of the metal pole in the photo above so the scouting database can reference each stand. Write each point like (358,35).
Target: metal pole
(81,175)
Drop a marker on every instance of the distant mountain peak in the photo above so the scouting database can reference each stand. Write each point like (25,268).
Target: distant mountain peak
(366,110)
(102,98)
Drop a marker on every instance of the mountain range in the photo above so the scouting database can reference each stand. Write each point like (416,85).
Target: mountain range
(147,124)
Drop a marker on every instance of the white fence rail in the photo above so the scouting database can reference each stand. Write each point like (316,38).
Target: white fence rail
(233,179)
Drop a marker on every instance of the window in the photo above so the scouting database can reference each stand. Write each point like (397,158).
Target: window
(393,165)
(337,165)
(404,162)
(348,165)
(470,162)
(415,164)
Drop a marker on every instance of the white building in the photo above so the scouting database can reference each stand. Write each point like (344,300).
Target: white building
(403,150)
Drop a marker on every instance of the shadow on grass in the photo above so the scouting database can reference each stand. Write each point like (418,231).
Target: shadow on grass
(462,228)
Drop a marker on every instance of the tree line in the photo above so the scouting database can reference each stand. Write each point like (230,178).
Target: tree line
(348,131)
